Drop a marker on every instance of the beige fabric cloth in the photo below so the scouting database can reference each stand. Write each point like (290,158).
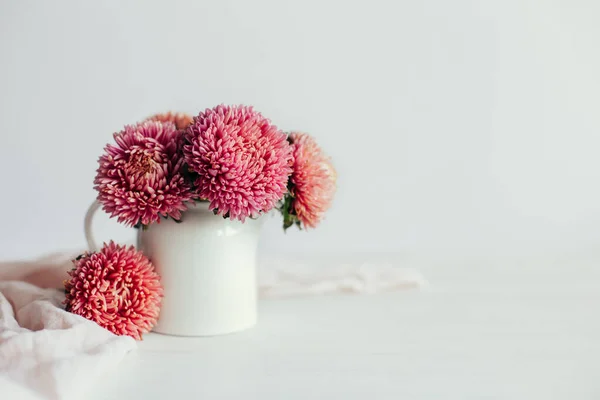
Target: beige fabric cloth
(48,353)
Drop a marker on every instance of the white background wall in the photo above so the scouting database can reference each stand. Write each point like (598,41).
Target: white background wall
(463,127)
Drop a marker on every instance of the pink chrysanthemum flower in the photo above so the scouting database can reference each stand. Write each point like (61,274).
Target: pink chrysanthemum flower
(117,288)
(140,178)
(312,183)
(242,161)
(181,120)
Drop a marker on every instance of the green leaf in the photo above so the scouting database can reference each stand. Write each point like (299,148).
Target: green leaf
(289,217)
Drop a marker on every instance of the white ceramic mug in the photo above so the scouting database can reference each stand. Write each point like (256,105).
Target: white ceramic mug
(207,266)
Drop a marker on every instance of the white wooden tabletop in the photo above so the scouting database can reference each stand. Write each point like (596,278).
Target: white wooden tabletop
(489,331)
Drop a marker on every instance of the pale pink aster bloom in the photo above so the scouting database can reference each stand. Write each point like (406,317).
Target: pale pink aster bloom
(117,288)
(313,180)
(242,160)
(181,120)
(140,178)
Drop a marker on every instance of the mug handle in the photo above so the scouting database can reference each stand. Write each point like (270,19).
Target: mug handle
(87,226)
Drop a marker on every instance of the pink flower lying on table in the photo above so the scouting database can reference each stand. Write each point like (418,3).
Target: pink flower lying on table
(117,288)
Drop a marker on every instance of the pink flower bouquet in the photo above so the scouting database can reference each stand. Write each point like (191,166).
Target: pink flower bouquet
(229,156)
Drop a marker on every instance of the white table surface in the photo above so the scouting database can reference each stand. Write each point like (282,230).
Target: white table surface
(489,331)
